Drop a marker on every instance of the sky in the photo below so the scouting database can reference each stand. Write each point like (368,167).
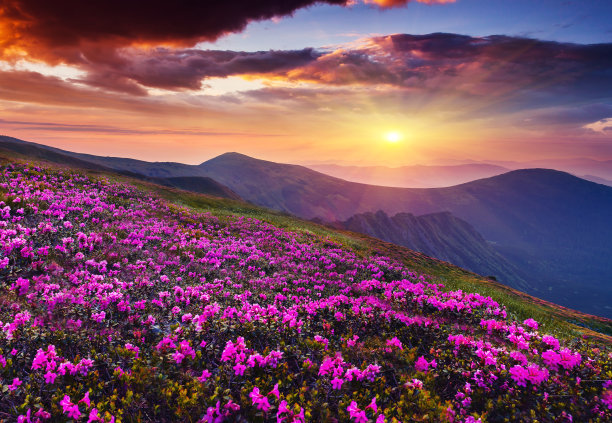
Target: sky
(366,82)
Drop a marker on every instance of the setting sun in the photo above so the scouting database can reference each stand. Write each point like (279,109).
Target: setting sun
(393,136)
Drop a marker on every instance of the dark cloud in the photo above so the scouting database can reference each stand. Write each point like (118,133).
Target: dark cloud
(185,69)
(45,28)
(483,66)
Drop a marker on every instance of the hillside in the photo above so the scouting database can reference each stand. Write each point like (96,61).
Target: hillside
(553,226)
(124,306)
(202,185)
(439,235)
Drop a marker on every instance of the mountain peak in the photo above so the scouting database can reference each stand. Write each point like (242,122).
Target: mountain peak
(230,155)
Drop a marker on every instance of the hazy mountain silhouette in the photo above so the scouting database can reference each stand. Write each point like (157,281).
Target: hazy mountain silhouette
(411,176)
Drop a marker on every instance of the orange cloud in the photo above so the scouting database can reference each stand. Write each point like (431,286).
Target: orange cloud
(402,3)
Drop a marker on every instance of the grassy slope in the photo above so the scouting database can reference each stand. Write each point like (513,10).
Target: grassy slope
(555,319)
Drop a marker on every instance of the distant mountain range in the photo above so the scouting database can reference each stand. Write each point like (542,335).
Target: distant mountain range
(540,230)
(411,176)
(448,175)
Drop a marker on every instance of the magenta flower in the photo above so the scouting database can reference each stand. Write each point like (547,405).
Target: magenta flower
(94,416)
(519,375)
(16,383)
(551,359)
(50,377)
(373,406)
(282,407)
(337,383)
(260,401)
(275,391)
(205,375)
(421,364)
(531,324)
(25,418)
(394,342)
(239,369)
(86,400)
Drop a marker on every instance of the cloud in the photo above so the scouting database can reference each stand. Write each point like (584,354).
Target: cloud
(480,66)
(184,69)
(402,3)
(602,126)
(67,29)
(72,31)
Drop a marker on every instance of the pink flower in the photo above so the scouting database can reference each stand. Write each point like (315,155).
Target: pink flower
(352,342)
(519,374)
(551,359)
(394,342)
(205,375)
(50,377)
(43,414)
(86,400)
(239,369)
(568,359)
(275,391)
(380,418)
(337,383)
(531,323)
(259,400)
(421,364)
(353,409)
(373,405)
(535,375)
(25,418)
(282,407)
(16,383)
(415,384)
(264,404)
(361,417)
(94,416)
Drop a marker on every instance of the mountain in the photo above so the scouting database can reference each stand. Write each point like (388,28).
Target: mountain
(553,226)
(439,235)
(411,176)
(128,167)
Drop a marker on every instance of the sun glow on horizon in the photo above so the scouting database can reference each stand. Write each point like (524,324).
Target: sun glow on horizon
(393,136)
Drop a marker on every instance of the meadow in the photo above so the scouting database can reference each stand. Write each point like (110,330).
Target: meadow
(120,305)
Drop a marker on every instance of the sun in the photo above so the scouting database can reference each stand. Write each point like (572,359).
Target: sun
(393,136)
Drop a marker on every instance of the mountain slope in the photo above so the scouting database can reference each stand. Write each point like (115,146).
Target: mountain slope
(202,185)
(439,235)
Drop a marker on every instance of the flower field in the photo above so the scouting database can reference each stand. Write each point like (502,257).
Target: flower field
(117,306)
